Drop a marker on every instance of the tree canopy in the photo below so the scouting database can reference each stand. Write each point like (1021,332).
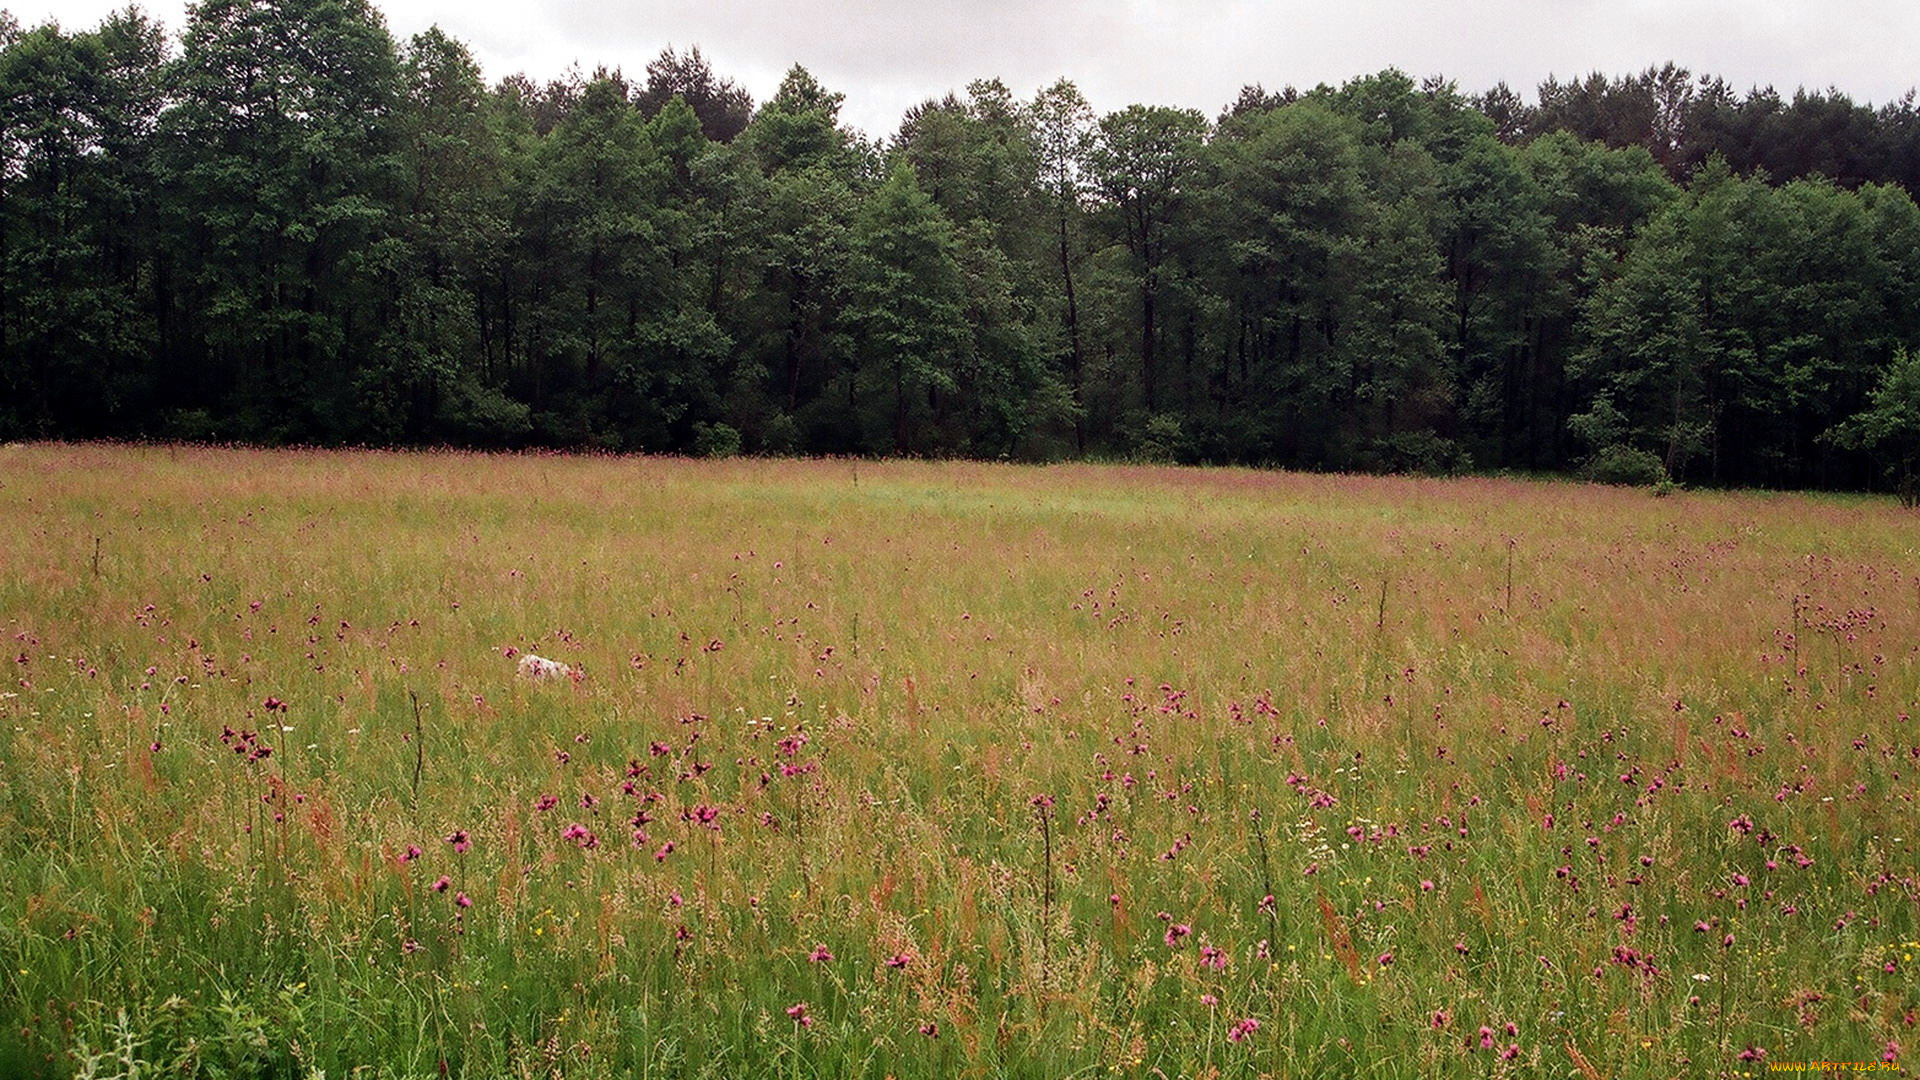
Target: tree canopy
(286,226)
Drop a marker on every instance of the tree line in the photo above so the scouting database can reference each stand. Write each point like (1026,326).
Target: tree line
(284,226)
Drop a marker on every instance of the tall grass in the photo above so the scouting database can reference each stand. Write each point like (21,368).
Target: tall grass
(1541,779)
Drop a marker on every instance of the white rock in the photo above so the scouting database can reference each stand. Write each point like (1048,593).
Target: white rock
(539,667)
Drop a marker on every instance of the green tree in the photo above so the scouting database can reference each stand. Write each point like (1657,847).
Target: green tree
(77,237)
(1064,134)
(436,369)
(282,154)
(1143,163)
(625,351)
(1889,428)
(721,106)
(908,305)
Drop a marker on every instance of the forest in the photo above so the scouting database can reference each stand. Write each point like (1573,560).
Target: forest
(281,225)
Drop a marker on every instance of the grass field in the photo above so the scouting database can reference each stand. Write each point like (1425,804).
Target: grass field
(931,770)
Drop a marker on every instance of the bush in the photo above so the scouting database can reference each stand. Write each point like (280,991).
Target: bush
(191,426)
(1421,453)
(480,415)
(715,440)
(1627,466)
(1161,439)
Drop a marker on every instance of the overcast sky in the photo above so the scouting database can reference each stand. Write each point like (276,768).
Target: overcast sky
(886,56)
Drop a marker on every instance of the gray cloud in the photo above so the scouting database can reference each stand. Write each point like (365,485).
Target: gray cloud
(887,56)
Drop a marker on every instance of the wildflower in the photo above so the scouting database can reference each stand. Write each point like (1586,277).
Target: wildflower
(1486,1037)
(413,852)
(1240,1031)
(930,1029)
(1213,958)
(820,954)
(443,884)
(1175,932)
(460,841)
(1441,1019)
(900,960)
(1385,959)
(1512,1051)
(798,1013)
(1426,885)
(546,802)
(1209,1000)
(462,900)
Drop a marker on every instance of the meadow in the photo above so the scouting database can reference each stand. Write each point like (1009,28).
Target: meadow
(935,769)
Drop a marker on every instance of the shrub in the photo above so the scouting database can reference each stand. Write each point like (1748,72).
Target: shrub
(1627,466)
(1420,452)
(715,440)
(1160,438)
